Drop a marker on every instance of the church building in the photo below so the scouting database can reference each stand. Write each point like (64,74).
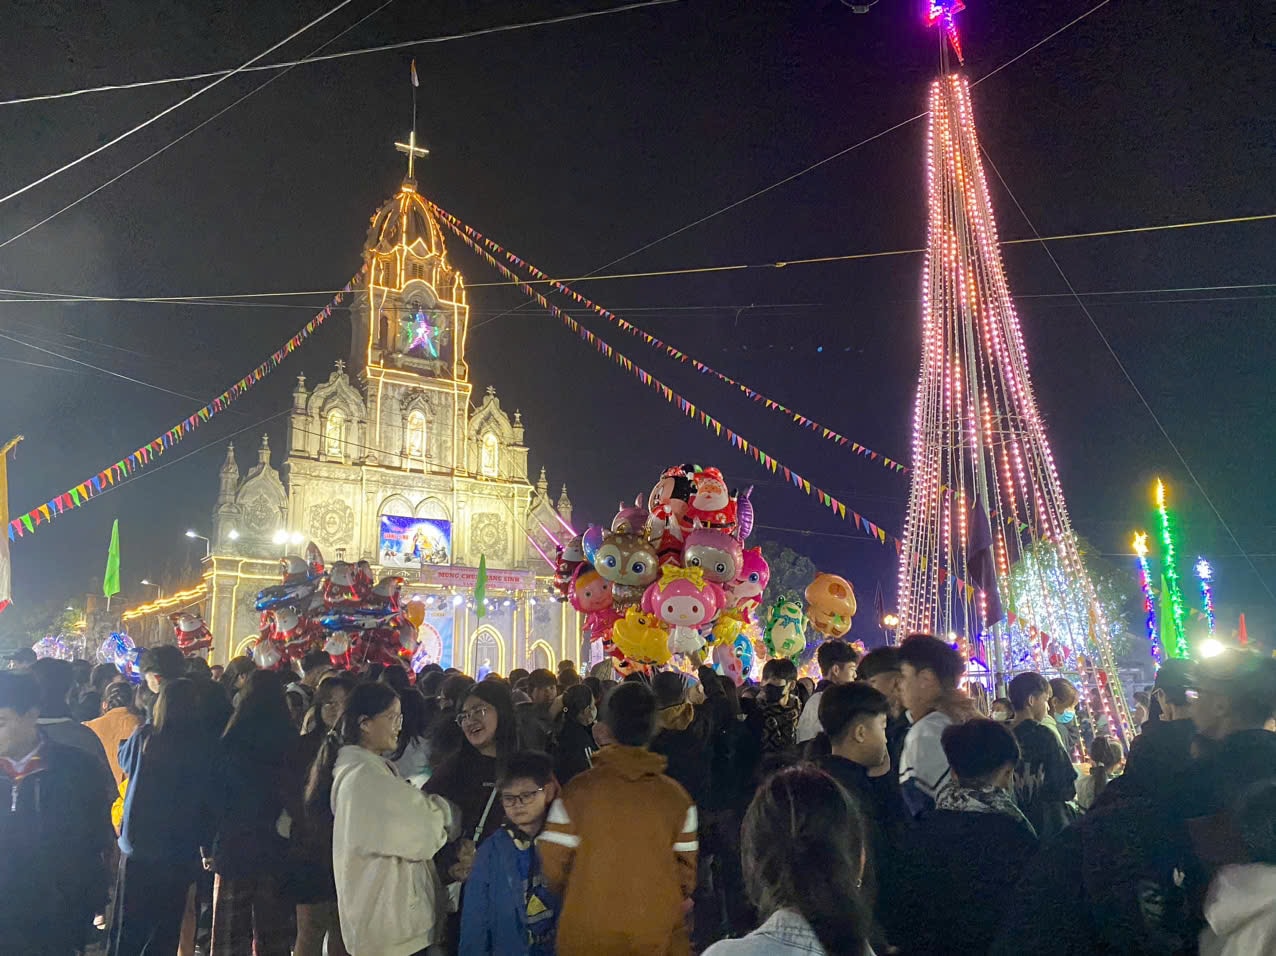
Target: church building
(390,458)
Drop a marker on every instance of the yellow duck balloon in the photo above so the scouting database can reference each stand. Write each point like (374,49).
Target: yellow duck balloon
(640,637)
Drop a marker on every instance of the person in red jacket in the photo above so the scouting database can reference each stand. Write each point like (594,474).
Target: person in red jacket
(619,846)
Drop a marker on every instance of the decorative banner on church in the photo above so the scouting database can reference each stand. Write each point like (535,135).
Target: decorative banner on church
(466,578)
(436,645)
(408,542)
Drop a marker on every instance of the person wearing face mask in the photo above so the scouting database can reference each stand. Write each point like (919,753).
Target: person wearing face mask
(958,868)
(1002,710)
(1061,716)
(574,744)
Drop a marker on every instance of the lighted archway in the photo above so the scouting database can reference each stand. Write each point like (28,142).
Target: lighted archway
(244,646)
(535,652)
(484,642)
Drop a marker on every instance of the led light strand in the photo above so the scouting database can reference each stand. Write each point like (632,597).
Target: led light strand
(1140,545)
(1205,574)
(143,456)
(1171,571)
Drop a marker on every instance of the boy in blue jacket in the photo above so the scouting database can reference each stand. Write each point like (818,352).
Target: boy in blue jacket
(507,908)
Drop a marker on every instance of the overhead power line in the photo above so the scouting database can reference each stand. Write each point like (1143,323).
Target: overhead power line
(175,106)
(363,51)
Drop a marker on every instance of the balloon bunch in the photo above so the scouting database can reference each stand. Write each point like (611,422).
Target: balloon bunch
(338,610)
(669,575)
(830,607)
(191,632)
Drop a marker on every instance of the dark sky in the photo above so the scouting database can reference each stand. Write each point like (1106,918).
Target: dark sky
(577,143)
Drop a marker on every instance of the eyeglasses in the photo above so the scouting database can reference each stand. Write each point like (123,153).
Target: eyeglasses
(476,715)
(520,799)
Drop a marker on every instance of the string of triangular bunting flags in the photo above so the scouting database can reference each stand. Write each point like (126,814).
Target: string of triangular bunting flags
(74,497)
(683,405)
(675,353)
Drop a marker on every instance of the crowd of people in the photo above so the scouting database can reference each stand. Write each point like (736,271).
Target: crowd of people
(883,810)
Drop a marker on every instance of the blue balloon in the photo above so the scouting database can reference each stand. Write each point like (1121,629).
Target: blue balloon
(744,650)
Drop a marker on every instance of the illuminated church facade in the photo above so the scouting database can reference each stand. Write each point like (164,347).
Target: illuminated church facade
(390,458)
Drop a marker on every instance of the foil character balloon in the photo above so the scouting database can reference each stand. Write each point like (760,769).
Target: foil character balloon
(590,592)
(745,592)
(387,592)
(266,654)
(667,505)
(629,562)
(744,514)
(295,569)
(415,613)
(192,633)
(784,631)
(591,541)
(743,647)
(337,645)
(315,559)
(728,663)
(631,519)
(715,552)
(640,637)
(568,558)
(727,628)
(711,503)
(831,604)
(340,588)
(408,638)
(685,601)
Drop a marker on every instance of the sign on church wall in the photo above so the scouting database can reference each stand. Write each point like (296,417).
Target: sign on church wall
(409,542)
(467,578)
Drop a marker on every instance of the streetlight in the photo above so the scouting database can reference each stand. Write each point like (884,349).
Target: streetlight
(208,545)
(284,538)
(232,534)
(159,591)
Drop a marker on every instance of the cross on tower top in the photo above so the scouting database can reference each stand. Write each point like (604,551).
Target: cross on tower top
(413,152)
(340,365)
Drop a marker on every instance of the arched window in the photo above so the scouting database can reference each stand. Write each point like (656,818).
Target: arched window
(490,464)
(334,432)
(415,442)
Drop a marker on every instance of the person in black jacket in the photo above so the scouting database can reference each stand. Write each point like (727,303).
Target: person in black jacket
(169,764)
(258,784)
(956,872)
(1045,780)
(574,744)
(55,829)
(684,729)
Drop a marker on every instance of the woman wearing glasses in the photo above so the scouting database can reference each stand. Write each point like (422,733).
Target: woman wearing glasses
(468,778)
(384,831)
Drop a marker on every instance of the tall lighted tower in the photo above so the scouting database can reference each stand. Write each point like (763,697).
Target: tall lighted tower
(985,494)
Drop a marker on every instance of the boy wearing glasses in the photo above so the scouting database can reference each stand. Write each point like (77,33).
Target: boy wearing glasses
(508,908)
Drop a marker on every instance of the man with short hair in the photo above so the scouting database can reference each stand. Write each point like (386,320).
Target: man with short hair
(774,721)
(837,660)
(508,909)
(55,678)
(620,845)
(1045,780)
(54,832)
(976,841)
(854,716)
(535,722)
(880,670)
(929,671)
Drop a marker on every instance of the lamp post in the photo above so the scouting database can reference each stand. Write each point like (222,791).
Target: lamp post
(208,545)
(284,538)
(159,591)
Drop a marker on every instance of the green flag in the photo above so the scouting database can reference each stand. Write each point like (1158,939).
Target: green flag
(111,582)
(1165,620)
(480,588)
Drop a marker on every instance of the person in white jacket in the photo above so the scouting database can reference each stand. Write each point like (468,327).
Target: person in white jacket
(385,832)
(1240,909)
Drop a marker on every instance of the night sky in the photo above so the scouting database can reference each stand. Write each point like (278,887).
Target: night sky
(574,145)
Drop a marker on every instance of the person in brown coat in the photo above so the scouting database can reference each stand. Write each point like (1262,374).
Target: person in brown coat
(619,846)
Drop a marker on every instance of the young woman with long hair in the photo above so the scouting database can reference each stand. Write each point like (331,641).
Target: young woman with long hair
(574,744)
(260,797)
(803,850)
(169,764)
(385,832)
(310,883)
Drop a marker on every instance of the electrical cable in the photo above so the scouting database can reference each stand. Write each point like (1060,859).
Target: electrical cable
(1107,344)
(383,48)
(169,109)
(163,149)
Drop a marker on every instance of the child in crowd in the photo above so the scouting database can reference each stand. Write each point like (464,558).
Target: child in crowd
(1108,759)
(620,844)
(508,909)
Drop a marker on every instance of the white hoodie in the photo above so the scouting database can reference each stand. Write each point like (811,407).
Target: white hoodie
(1241,912)
(384,837)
